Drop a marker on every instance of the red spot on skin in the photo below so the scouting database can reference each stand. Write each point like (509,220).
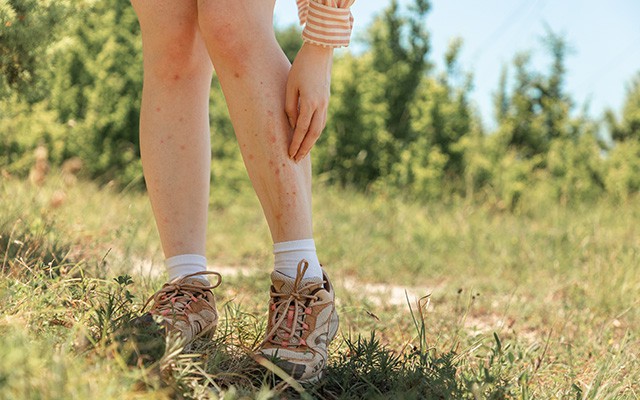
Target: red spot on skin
(158,109)
(279,216)
(271,162)
(161,141)
(183,147)
(181,119)
(236,74)
(176,77)
(277,171)
(283,165)
(272,138)
(270,113)
(250,157)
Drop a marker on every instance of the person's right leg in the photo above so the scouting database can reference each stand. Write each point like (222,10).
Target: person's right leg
(176,158)
(174,122)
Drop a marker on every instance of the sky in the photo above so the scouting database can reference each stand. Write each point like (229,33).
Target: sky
(603,36)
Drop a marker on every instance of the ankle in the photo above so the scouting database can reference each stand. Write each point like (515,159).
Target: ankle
(289,254)
(186,264)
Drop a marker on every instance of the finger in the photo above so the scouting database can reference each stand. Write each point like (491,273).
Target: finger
(312,136)
(302,127)
(292,98)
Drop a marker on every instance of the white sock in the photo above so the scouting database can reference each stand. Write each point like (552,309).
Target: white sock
(289,254)
(186,264)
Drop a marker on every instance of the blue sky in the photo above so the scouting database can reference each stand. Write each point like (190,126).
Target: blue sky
(604,37)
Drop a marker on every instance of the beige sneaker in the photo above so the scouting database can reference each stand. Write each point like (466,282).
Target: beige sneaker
(302,322)
(186,307)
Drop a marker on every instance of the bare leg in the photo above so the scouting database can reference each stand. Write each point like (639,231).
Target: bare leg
(174,122)
(253,73)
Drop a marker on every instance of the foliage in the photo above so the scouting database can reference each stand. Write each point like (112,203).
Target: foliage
(629,126)
(290,39)
(24,127)
(27,28)
(96,88)
(396,124)
(623,175)
(353,150)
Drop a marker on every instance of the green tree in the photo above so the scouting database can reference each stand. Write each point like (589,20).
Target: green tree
(27,28)
(441,111)
(351,150)
(629,125)
(399,46)
(290,39)
(623,170)
(96,87)
(537,110)
(623,162)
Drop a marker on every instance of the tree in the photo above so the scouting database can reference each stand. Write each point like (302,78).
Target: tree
(27,28)
(537,110)
(400,55)
(290,40)
(628,128)
(351,152)
(96,86)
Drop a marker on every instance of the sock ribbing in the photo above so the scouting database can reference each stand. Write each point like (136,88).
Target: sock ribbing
(289,254)
(185,264)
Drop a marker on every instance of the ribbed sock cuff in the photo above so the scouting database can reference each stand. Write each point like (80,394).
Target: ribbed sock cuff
(294,245)
(289,254)
(185,264)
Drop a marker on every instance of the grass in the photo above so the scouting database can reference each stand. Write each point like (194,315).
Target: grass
(436,301)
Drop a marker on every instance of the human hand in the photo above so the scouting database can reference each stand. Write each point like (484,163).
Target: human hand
(307,97)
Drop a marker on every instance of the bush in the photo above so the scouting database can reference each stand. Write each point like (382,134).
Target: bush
(623,170)
(23,128)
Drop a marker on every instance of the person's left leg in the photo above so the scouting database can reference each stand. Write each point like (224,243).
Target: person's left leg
(253,73)
(176,159)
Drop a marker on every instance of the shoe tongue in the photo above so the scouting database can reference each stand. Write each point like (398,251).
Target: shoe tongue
(284,284)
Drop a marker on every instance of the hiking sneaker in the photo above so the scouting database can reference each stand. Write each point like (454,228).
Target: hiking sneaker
(185,307)
(302,322)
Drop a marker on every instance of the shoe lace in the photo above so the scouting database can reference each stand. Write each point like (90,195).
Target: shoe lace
(290,309)
(176,297)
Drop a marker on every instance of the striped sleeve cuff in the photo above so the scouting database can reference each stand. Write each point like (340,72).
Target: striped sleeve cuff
(324,25)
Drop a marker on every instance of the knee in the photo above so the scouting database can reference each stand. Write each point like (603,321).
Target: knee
(233,31)
(179,55)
